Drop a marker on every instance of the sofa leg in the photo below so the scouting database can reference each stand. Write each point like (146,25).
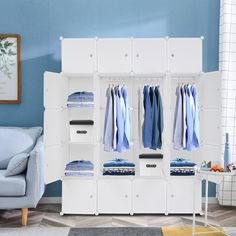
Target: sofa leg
(24,216)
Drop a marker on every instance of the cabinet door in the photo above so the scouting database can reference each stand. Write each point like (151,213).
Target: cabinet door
(149,196)
(185,55)
(114,196)
(210,117)
(56,126)
(78,196)
(55,90)
(114,55)
(78,55)
(149,56)
(56,158)
(180,195)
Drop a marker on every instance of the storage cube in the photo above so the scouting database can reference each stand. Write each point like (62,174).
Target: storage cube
(151,164)
(81,131)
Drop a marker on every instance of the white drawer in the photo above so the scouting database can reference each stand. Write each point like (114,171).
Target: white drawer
(151,166)
(81,132)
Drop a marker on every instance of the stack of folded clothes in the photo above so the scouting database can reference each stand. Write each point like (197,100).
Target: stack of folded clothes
(79,168)
(119,166)
(182,167)
(81,99)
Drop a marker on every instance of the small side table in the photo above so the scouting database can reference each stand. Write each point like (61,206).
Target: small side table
(215,177)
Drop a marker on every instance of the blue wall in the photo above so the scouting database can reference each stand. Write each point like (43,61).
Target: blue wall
(42,22)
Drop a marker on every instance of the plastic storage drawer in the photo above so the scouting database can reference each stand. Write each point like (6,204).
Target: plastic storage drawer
(81,131)
(151,164)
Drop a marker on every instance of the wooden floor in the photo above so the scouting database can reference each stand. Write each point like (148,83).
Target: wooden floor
(48,215)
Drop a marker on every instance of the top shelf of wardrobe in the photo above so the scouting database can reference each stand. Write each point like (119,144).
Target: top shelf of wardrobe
(131,75)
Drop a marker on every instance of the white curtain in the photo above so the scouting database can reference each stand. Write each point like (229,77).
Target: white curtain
(227,65)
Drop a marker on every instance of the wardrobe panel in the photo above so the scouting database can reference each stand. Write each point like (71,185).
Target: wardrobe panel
(147,197)
(78,55)
(56,128)
(210,116)
(149,55)
(114,196)
(78,196)
(185,55)
(56,158)
(55,90)
(210,90)
(76,84)
(180,195)
(114,55)
(210,126)
(81,152)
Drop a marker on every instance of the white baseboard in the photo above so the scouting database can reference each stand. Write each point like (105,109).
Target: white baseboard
(57,200)
(50,200)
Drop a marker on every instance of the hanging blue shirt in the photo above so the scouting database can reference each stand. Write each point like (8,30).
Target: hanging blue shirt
(147,124)
(189,120)
(196,123)
(127,119)
(108,123)
(119,122)
(157,119)
(178,122)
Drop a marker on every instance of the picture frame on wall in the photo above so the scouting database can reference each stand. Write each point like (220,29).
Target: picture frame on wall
(10,68)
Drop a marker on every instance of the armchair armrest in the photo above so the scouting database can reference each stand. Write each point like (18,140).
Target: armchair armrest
(35,173)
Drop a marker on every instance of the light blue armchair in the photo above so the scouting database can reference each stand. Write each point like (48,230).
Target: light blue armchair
(23,191)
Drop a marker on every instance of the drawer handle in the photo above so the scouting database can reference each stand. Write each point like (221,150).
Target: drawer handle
(126,196)
(81,131)
(91,196)
(91,55)
(151,165)
(137,55)
(172,55)
(137,195)
(126,55)
(172,195)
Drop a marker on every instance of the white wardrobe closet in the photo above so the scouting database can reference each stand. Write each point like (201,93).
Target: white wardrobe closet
(91,65)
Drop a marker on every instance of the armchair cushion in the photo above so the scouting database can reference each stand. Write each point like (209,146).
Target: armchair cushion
(13,185)
(15,140)
(17,164)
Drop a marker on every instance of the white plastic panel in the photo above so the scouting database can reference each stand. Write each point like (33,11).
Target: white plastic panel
(55,159)
(81,152)
(56,128)
(180,195)
(114,196)
(114,55)
(149,55)
(210,90)
(78,55)
(185,55)
(149,196)
(55,90)
(78,196)
(210,117)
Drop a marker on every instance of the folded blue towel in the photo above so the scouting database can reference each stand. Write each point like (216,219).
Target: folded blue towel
(81,95)
(80,163)
(181,162)
(119,162)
